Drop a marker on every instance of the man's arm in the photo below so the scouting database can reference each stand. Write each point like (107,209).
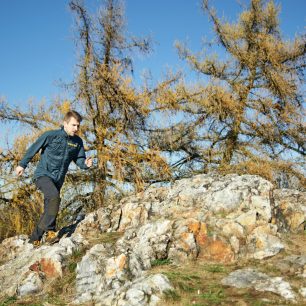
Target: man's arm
(32,150)
(81,160)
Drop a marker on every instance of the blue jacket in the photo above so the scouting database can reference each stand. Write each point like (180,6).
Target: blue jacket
(58,149)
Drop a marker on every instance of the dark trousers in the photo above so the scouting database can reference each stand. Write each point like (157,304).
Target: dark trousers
(47,221)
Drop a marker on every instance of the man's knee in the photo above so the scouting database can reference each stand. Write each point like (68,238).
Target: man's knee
(53,206)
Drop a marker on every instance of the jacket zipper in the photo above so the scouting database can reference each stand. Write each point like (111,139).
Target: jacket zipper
(62,166)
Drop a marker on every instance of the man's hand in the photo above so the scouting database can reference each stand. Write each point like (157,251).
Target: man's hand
(19,170)
(88,162)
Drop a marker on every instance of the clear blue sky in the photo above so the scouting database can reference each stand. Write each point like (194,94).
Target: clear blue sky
(37,46)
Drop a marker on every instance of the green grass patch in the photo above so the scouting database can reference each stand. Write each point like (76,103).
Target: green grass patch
(185,282)
(111,238)
(215,268)
(259,303)
(73,260)
(160,262)
(171,295)
(72,266)
(8,300)
(213,296)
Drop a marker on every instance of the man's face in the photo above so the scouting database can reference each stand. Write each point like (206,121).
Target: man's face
(72,126)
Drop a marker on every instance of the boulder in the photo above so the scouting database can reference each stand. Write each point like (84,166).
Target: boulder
(289,210)
(251,278)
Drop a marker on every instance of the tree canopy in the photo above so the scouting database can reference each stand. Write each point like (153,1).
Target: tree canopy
(249,117)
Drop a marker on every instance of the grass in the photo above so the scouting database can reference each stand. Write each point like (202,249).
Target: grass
(171,295)
(213,296)
(22,212)
(199,283)
(193,283)
(108,238)
(160,262)
(215,268)
(8,301)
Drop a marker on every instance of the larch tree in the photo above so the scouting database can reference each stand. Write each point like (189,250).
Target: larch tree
(249,115)
(115,114)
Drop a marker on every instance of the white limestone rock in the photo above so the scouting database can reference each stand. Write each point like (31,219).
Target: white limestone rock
(302,292)
(263,242)
(46,260)
(290,209)
(30,285)
(250,278)
(143,291)
(199,197)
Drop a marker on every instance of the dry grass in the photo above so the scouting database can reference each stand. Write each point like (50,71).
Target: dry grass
(105,238)
(22,213)
(199,283)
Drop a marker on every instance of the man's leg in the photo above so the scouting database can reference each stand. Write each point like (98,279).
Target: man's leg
(47,221)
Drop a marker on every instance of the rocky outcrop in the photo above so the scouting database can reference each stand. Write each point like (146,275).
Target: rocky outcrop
(24,264)
(229,217)
(249,278)
(289,210)
(209,217)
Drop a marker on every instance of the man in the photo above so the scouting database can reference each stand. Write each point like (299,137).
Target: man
(58,149)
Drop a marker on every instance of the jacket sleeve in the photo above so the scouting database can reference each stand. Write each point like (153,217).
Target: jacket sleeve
(41,142)
(80,159)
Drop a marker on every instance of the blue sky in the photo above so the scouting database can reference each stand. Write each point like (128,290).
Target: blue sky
(38,49)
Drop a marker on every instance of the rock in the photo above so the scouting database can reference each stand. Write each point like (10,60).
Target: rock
(247,220)
(72,243)
(250,278)
(30,285)
(50,268)
(151,242)
(216,249)
(289,210)
(224,193)
(276,285)
(229,205)
(100,270)
(294,264)
(145,290)
(135,297)
(263,243)
(231,228)
(133,215)
(199,198)
(208,217)
(186,237)
(244,278)
(10,248)
(302,292)
(45,261)
(235,244)
(94,223)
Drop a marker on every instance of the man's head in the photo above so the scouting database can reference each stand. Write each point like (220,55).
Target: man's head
(72,122)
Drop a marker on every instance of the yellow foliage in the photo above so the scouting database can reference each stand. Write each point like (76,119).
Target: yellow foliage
(65,107)
(22,214)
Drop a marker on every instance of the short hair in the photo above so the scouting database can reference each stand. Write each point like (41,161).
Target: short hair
(74,115)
